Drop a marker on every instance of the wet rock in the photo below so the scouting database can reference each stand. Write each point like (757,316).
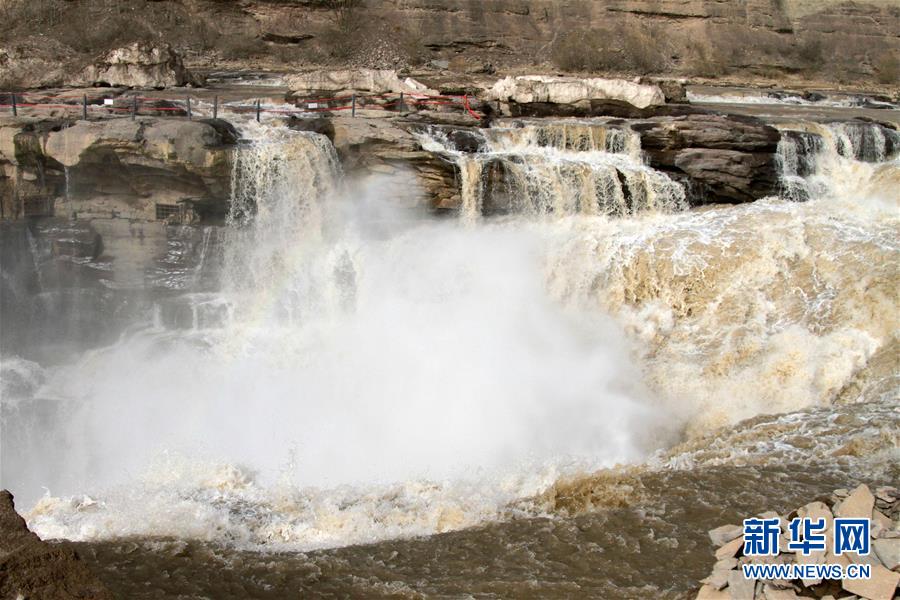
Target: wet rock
(728,159)
(381,146)
(674,90)
(881,586)
(112,168)
(31,568)
(601,108)
(724,534)
(466,141)
(138,65)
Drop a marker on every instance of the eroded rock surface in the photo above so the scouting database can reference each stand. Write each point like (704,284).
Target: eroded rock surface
(114,167)
(572,90)
(31,568)
(138,65)
(347,80)
(727,158)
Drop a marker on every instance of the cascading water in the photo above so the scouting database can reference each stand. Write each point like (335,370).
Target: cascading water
(561,169)
(361,385)
(421,363)
(822,159)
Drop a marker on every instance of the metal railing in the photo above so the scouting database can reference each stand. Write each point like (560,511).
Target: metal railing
(135,106)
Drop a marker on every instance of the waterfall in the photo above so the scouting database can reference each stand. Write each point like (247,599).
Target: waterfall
(280,181)
(343,383)
(470,189)
(559,169)
(819,159)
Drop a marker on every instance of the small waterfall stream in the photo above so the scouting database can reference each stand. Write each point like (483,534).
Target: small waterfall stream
(817,159)
(558,169)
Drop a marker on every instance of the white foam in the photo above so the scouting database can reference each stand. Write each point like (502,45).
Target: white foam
(420,379)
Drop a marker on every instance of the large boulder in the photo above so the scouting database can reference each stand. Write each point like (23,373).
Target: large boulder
(726,158)
(138,65)
(31,568)
(527,89)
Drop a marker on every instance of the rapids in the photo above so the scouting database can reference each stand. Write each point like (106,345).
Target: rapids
(351,373)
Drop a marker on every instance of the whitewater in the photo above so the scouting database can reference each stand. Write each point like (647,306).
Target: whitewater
(360,373)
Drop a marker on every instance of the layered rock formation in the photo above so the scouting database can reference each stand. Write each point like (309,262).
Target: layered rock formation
(138,65)
(39,63)
(767,38)
(352,80)
(31,568)
(392,150)
(529,89)
(113,167)
(135,169)
(725,158)
(751,36)
(727,582)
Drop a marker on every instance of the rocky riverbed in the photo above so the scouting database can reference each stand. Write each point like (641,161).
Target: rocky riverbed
(727,581)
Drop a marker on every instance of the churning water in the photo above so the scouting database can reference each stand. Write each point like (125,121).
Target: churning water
(562,168)
(358,375)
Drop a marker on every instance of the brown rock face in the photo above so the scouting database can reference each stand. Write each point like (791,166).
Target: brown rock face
(751,36)
(727,158)
(31,568)
(114,167)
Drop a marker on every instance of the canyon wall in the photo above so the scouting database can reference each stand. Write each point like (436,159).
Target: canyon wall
(750,36)
(833,41)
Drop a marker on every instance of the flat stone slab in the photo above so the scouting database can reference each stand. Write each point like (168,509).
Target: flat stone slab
(881,586)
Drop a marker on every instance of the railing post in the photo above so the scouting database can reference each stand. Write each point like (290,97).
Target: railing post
(133,107)
(15,111)
(215,107)
(401,101)
(84,106)
(353,108)
(257,110)
(190,116)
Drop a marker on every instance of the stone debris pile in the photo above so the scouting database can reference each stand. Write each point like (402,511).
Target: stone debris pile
(727,581)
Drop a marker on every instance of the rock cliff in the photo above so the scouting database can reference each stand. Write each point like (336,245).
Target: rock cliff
(31,568)
(829,40)
(117,167)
